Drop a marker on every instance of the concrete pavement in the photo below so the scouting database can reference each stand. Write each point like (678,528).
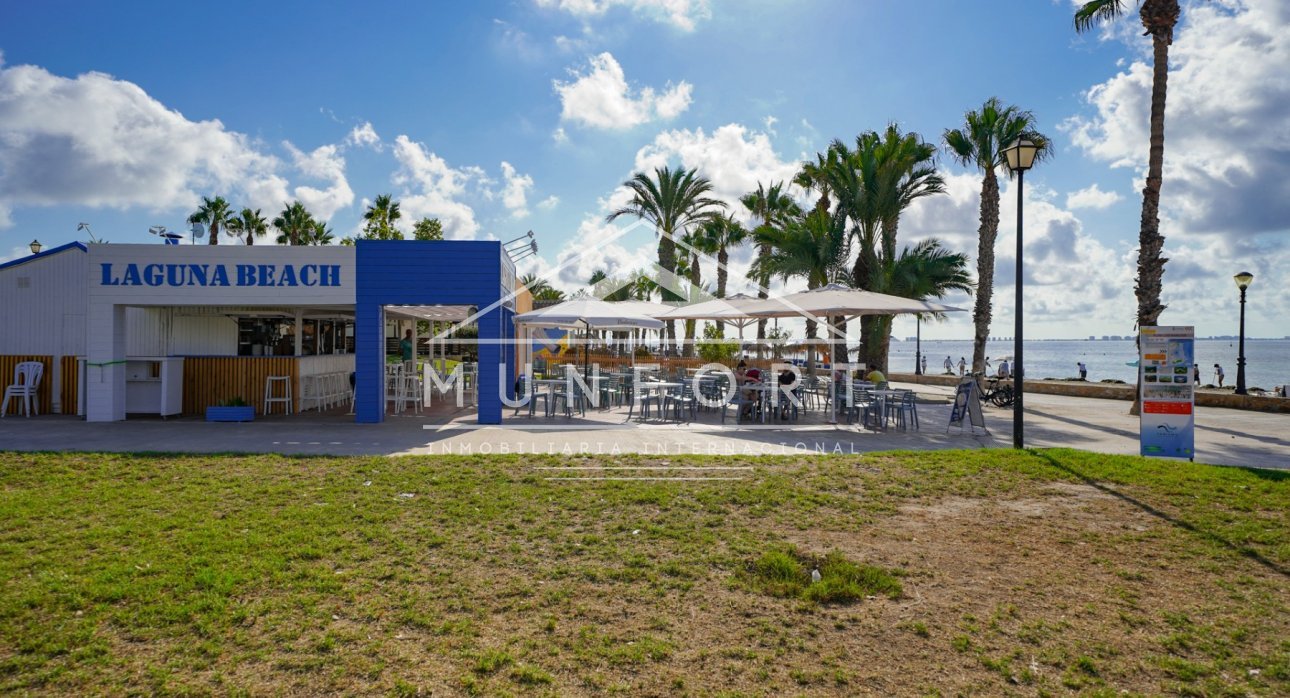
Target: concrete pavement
(1223,436)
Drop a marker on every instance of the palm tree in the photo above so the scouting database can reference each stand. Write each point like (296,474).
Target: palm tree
(928,270)
(814,247)
(214,213)
(533,284)
(249,223)
(814,176)
(1158,17)
(715,238)
(317,234)
(549,293)
(673,201)
(294,224)
(909,170)
(772,206)
(380,217)
(979,143)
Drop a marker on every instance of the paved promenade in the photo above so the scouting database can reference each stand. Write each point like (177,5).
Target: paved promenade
(1223,436)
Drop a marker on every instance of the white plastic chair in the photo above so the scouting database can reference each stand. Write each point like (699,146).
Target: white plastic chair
(26,384)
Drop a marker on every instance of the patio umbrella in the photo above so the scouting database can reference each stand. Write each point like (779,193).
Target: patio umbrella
(731,309)
(838,300)
(589,314)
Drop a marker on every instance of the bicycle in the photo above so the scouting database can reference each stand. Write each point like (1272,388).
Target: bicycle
(996,392)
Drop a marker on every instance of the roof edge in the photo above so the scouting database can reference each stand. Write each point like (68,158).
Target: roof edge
(61,248)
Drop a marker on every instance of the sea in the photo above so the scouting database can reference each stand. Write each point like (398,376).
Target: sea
(1267,361)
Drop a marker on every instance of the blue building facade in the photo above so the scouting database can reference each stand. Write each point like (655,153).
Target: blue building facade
(440,272)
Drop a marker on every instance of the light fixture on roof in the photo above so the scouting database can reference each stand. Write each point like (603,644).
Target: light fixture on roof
(86,228)
(525,252)
(36,247)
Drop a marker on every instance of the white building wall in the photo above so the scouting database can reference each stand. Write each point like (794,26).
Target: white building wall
(42,305)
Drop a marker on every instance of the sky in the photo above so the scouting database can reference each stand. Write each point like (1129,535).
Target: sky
(504,117)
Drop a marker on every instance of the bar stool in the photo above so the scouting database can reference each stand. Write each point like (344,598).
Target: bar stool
(270,392)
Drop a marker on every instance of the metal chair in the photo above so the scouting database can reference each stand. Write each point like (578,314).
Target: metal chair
(902,407)
(25,387)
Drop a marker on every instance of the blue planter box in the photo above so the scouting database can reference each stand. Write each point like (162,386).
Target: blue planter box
(230,414)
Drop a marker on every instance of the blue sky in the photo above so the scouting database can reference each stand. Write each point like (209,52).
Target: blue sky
(500,117)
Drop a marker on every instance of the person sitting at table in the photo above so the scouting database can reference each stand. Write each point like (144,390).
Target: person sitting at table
(749,376)
(875,376)
(786,378)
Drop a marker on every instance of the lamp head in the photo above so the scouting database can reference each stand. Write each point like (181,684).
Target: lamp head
(36,247)
(1243,280)
(1020,154)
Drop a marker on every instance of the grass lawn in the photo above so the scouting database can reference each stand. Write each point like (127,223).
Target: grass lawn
(952,572)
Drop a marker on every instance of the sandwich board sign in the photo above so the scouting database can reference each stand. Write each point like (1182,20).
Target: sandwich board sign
(1167,422)
(967,404)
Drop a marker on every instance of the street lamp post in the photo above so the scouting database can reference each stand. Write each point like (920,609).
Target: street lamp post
(1242,282)
(36,247)
(918,345)
(1020,155)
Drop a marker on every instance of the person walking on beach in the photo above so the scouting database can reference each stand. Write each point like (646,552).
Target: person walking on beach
(949,366)
(987,366)
(1195,373)
(1218,375)
(962,366)
(1083,370)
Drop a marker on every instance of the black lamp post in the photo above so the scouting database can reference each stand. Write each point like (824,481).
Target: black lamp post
(1242,282)
(1020,155)
(918,345)
(36,247)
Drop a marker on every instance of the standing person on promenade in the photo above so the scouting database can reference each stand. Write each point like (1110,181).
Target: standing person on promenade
(1218,375)
(1083,370)
(987,366)
(962,366)
(1195,373)
(949,366)
(924,364)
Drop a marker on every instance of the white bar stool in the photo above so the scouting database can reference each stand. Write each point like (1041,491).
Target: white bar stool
(271,396)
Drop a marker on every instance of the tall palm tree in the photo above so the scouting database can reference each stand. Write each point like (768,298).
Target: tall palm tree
(814,247)
(318,234)
(295,225)
(909,170)
(672,201)
(249,223)
(1158,17)
(814,176)
(715,238)
(534,284)
(771,206)
(978,143)
(380,217)
(215,213)
(928,270)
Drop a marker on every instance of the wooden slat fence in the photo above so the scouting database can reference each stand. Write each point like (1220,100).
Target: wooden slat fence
(69,391)
(210,380)
(7,365)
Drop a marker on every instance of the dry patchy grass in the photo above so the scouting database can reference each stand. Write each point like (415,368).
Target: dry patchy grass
(997,572)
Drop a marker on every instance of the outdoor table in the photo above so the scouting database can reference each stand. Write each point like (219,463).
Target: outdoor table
(883,396)
(644,388)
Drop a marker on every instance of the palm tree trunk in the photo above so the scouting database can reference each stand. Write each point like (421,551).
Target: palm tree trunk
(695,282)
(763,292)
(214,233)
(250,237)
(723,257)
(986,234)
(1151,263)
(667,260)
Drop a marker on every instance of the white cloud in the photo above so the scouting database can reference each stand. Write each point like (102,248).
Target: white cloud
(364,135)
(433,188)
(1092,197)
(1227,142)
(95,140)
(515,191)
(682,14)
(733,158)
(549,203)
(559,136)
(601,98)
(324,163)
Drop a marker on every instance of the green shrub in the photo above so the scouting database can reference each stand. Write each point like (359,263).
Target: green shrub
(786,573)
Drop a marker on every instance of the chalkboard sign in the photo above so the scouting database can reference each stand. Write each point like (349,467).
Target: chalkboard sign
(967,403)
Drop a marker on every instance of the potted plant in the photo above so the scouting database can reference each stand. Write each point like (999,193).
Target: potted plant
(232,410)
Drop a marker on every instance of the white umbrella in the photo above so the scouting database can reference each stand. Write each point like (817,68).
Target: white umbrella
(731,309)
(589,313)
(835,299)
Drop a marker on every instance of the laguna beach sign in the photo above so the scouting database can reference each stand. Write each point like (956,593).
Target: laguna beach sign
(242,275)
(232,275)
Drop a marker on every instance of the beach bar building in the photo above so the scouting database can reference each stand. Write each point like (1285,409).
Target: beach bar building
(173,329)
